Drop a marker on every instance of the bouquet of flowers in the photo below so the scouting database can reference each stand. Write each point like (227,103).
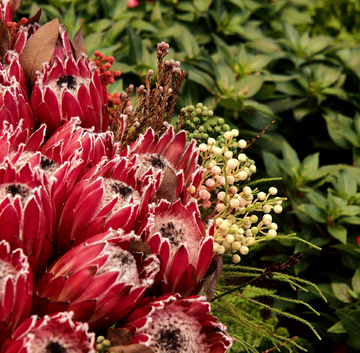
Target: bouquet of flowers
(112,221)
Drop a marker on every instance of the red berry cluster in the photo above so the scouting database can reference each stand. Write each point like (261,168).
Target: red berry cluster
(103,64)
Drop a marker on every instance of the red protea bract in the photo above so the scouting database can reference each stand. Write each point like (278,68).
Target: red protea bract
(57,333)
(101,280)
(13,94)
(6,13)
(16,284)
(178,235)
(171,324)
(27,214)
(11,137)
(168,152)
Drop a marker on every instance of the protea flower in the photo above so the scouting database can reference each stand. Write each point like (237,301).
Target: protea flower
(26,214)
(108,196)
(69,87)
(178,235)
(12,137)
(168,152)
(6,13)
(72,141)
(56,333)
(101,280)
(13,94)
(171,324)
(16,284)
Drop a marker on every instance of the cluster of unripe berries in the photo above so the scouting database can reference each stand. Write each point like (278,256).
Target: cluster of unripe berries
(223,197)
(194,120)
(102,345)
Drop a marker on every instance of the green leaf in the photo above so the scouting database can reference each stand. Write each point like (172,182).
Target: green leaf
(259,107)
(339,232)
(312,211)
(350,210)
(93,41)
(346,184)
(318,44)
(272,164)
(115,31)
(316,198)
(334,91)
(202,79)
(248,85)
(282,105)
(291,158)
(136,50)
(258,62)
(309,165)
(291,34)
(156,13)
(351,324)
(202,5)
(101,25)
(119,10)
(355,282)
(188,44)
(340,291)
(223,50)
(290,89)
(143,25)
(338,126)
(225,79)
(337,328)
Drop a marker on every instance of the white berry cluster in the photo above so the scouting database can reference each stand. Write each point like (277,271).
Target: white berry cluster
(233,206)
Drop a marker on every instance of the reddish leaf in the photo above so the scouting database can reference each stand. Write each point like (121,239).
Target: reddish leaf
(5,39)
(14,5)
(119,336)
(78,43)
(167,189)
(211,281)
(34,19)
(139,246)
(39,49)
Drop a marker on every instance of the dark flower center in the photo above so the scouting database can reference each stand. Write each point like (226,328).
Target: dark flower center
(156,161)
(17,189)
(68,79)
(54,347)
(121,189)
(170,232)
(169,340)
(46,163)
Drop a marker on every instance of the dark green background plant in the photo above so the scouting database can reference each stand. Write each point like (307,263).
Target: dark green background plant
(250,62)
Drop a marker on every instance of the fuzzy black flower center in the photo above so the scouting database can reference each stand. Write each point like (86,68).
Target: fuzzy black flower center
(156,161)
(54,347)
(122,189)
(173,234)
(69,80)
(46,163)
(17,189)
(169,340)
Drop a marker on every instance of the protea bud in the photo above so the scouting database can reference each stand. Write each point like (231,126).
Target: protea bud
(171,324)
(16,284)
(101,280)
(178,235)
(56,333)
